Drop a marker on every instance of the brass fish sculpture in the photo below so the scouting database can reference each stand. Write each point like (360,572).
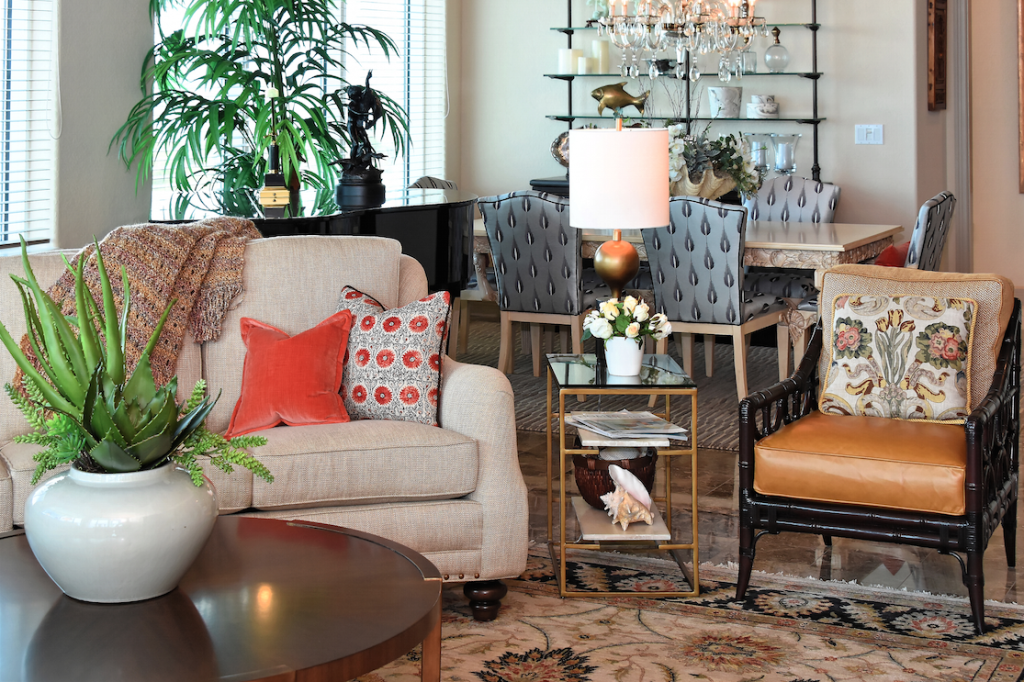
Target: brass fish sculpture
(615,98)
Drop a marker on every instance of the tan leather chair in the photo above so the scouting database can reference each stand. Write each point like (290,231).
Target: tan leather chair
(826,457)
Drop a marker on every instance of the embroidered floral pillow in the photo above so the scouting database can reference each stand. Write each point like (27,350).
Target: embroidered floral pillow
(902,357)
(393,363)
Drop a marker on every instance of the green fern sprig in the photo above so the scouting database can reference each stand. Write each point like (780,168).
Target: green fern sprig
(31,408)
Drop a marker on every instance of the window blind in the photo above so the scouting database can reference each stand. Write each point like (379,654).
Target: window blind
(27,149)
(416,78)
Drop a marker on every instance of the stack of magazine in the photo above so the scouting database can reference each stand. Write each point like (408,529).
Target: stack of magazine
(627,425)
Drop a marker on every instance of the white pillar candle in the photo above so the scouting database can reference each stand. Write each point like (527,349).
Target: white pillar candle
(599,50)
(584,65)
(565,61)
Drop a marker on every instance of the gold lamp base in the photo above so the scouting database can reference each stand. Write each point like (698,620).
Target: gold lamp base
(617,262)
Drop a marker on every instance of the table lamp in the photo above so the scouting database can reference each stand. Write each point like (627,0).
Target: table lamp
(618,181)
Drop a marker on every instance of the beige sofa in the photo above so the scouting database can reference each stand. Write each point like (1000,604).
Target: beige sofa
(454,493)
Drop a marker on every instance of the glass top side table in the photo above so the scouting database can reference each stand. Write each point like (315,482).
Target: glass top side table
(579,375)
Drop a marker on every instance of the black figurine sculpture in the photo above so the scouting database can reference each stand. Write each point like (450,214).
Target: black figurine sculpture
(360,184)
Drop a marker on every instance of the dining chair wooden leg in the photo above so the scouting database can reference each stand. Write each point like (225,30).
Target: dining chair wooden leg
(535,347)
(800,346)
(685,343)
(463,324)
(563,338)
(709,355)
(576,330)
(453,329)
(505,347)
(739,348)
(782,340)
(524,338)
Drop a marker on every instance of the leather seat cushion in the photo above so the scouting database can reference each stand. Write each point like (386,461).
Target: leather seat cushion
(866,461)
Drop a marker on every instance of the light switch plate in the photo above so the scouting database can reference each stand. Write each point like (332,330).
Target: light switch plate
(868,134)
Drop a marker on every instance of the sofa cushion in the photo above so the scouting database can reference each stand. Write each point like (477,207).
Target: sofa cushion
(901,357)
(6,498)
(293,283)
(393,364)
(364,462)
(17,458)
(867,461)
(291,379)
(992,293)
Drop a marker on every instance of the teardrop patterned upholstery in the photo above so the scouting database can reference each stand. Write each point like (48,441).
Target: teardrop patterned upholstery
(428,182)
(795,200)
(697,265)
(537,256)
(929,236)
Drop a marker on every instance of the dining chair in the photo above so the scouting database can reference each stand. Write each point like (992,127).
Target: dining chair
(924,250)
(428,182)
(883,434)
(697,269)
(538,267)
(794,199)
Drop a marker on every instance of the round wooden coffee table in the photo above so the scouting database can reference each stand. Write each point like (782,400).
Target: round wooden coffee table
(265,600)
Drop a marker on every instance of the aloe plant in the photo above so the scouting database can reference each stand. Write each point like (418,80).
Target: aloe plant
(103,418)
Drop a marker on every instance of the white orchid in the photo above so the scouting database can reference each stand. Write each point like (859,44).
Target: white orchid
(633,330)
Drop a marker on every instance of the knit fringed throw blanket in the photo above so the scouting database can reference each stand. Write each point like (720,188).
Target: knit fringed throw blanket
(199,264)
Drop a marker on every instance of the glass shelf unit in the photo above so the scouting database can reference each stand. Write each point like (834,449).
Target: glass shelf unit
(813,76)
(570,76)
(640,117)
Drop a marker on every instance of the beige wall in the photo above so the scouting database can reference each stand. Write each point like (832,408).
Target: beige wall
(998,205)
(872,53)
(103,43)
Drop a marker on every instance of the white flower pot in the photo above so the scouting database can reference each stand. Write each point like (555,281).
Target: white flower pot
(624,356)
(119,537)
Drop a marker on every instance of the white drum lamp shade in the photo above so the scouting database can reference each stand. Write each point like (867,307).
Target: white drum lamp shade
(618,179)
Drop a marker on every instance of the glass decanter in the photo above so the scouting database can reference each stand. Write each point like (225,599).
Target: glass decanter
(776,57)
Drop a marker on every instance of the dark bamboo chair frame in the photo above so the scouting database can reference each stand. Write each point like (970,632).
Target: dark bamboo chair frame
(993,436)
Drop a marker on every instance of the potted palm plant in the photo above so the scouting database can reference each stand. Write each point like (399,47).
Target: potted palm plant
(127,519)
(238,77)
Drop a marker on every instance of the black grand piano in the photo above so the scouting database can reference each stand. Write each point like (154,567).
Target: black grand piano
(434,226)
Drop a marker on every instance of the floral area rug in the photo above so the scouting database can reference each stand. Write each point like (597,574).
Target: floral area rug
(786,630)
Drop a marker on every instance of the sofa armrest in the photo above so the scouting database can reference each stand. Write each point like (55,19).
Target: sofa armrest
(477,401)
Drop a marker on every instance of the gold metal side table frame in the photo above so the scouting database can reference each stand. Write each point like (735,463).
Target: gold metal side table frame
(558,557)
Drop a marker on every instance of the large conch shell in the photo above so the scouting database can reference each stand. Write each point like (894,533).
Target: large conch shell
(629,502)
(711,186)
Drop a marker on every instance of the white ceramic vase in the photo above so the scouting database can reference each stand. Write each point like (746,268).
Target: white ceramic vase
(119,537)
(624,356)
(725,101)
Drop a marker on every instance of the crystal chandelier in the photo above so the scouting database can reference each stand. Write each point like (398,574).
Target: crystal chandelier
(689,26)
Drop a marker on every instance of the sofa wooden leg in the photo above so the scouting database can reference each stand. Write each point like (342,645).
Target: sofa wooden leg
(1010,535)
(485,598)
(975,580)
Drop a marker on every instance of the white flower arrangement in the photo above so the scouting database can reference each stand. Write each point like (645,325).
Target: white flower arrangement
(630,318)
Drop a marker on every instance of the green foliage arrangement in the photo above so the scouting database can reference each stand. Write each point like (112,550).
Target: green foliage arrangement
(205,94)
(86,409)
(725,156)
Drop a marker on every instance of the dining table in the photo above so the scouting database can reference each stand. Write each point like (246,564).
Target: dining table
(810,246)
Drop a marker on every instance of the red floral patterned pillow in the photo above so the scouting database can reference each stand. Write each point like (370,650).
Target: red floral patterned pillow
(393,363)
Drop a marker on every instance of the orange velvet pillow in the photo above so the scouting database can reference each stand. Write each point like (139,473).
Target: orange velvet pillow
(291,379)
(894,256)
